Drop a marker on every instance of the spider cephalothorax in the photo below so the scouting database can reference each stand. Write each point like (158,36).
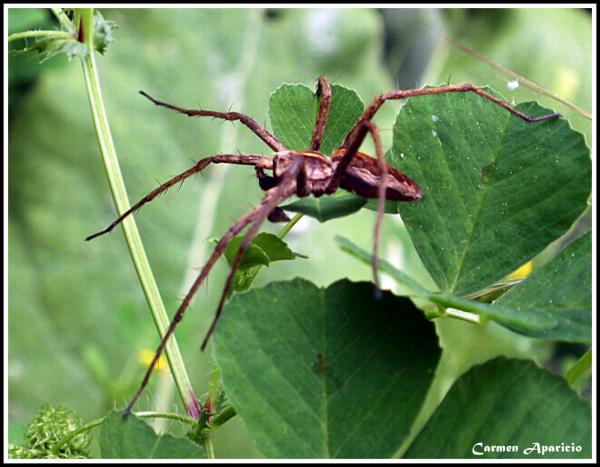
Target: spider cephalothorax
(302,172)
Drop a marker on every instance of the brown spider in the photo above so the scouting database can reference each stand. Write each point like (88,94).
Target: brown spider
(301,173)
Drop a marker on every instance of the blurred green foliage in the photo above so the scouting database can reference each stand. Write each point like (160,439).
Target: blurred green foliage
(77,316)
(24,69)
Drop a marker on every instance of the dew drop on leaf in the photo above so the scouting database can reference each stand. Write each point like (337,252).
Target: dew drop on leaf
(512,84)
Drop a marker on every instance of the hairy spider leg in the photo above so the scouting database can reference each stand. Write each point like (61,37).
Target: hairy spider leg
(260,131)
(378,101)
(258,213)
(324,95)
(240,159)
(357,134)
(272,198)
(323,92)
(364,128)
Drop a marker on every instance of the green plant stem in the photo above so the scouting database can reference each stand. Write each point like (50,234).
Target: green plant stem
(290,225)
(465,307)
(86,19)
(580,369)
(171,416)
(226,414)
(463,315)
(205,440)
(63,19)
(207,445)
(134,242)
(51,34)
(78,431)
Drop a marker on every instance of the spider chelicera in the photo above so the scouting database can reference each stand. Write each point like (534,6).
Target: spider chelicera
(301,172)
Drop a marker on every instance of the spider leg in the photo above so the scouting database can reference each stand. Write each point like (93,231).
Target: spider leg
(198,167)
(324,95)
(364,128)
(260,131)
(271,198)
(372,109)
(380,201)
(219,249)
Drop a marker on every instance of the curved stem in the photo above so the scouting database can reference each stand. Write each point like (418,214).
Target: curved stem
(290,225)
(78,431)
(27,34)
(168,415)
(205,438)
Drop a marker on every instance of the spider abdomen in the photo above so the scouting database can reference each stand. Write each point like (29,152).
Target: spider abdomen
(362,177)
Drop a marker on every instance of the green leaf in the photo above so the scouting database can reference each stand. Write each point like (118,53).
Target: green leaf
(293,110)
(506,403)
(244,277)
(49,47)
(275,247)
(131,438)
(263,250)
(103,32)
(333,373)
(253,256)
(562,289)
(390,207)
(497,190)
(325,208)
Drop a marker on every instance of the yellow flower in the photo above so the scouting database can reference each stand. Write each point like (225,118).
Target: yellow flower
(145,358)
(522,272)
